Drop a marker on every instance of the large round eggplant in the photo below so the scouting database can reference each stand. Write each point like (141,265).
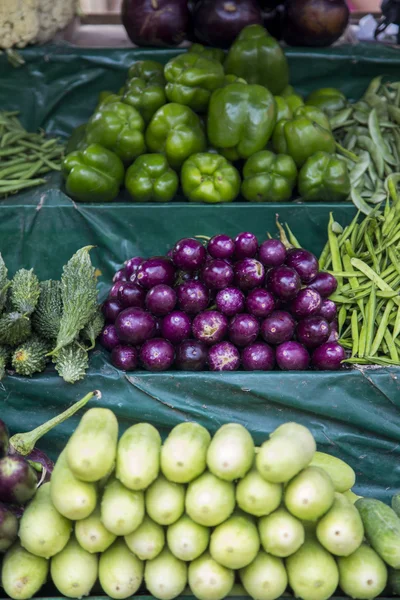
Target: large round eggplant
(314,22)
(18,480)
(219,22)
(156,22)
(4,439)
(273,21)
(8,527)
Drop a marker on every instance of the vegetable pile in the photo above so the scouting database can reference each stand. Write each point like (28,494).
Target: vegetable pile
(221,305)
(57,320)
(197,511)
(25,157)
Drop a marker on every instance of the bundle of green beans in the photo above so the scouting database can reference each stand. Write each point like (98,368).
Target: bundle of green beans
(25,157)
(369,133)
(365,259)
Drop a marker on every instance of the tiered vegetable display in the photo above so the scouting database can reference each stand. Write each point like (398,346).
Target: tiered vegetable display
(49,320)
(221,305)
(199,511)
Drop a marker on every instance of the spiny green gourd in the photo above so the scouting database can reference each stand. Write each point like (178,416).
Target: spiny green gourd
(5,354)
(15,328)
(47,316)
(93,329)
(72,362)
(4,283)
(79,297)
(25,291)
(30,358)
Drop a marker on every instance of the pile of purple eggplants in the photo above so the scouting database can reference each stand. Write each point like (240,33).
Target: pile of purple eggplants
(23,468)
(221,305)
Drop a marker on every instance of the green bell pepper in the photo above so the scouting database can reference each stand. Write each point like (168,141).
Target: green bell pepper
(151,179)
(232,79)
(241,119)
(93,175)
(257,57)
(191,80)
(119,128)
(210,178)
(76,140)
(146,97)
(269,177)
(176,131)
(324,178)
(283,111)
(211,53)
(294,101)
(302,136)
(149,70)
(329,100)
(314,114)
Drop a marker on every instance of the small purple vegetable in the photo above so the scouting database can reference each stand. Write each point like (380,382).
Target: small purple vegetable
(131,294)
(324,283)
(4,439)
(223,357)
(328,357)
(132,265)
(176,327)
(193,297)
(246,245)
(230,301)
(135,326)
(113,293)
(191,355)
(278,327)
(249,273)
(154,271)
(157,355)
(306,303)
(221,246)
(119,276)
(217,274)
(284,282)
(243,329)
(8,528)
(312,331)
(272,253)
(40,458)
(258,357)
(210,327)
(260,303)
(124,357)
(161,300)
(304,262)
(111,309)
(109,337)
(334,332)
(189,254)
(328,310)
(18,480)
(292,356)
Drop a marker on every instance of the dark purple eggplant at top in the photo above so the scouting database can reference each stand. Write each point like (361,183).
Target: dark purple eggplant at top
(156,22)
(4,439)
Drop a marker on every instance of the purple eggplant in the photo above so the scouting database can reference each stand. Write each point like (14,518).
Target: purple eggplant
(156,22)
(8,527)
(4,439)
(18,480)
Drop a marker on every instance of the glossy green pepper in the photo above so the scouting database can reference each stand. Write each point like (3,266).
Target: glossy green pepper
(324,178)
(329,100)
(241,119)
(192,79)
(151,179)
(232,79)
(176,131)
(257,57)
(93,175)
(146,97)
(314,114)
(119,128)
(283,111)
(76,140)
(149,70)
(269,177)
(294,101)
(211,53)
(210,178)
(301,137)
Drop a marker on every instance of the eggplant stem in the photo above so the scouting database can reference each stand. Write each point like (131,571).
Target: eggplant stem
(42,477)
(24,443)
(282,235)
(203,237)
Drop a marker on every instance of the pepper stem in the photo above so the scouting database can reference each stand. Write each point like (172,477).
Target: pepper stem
(24,443)
(282,235)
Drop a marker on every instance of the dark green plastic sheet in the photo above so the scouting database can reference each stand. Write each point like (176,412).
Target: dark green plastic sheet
(353,414)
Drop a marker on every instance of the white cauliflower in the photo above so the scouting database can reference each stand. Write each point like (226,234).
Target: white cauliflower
(19,22)
(53,16)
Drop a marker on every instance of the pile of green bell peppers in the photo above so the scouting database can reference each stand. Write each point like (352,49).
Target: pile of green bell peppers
(214,125)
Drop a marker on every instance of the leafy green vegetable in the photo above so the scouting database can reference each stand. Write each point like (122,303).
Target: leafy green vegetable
(79,297)
(5,354)
(4,283)
(15,328)
(93,329)
(30,357)
(71,363)
(25,291)
(47,316)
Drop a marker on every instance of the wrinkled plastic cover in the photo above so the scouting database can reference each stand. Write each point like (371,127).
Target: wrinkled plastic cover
(353,414)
